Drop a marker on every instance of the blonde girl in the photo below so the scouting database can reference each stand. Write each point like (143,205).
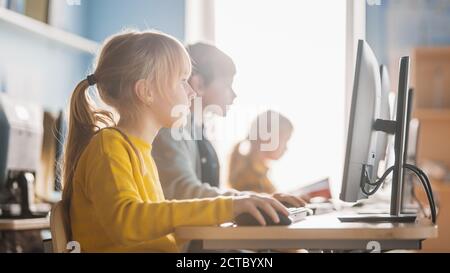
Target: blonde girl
(112,192)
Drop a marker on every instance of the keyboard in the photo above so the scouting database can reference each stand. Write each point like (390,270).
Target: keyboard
(295,215)
(298,214)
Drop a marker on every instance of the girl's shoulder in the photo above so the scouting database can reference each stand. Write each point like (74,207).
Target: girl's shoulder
(108,141)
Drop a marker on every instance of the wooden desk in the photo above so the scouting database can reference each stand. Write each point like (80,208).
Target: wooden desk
(442,194)
(323,232)
(24,224)
(22,235)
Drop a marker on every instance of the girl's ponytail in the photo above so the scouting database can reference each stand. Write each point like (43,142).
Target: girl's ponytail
(84,121)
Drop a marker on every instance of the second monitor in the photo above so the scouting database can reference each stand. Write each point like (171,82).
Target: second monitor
(367,133)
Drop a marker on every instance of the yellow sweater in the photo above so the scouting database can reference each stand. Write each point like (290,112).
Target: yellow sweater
(115,208)
(251,176)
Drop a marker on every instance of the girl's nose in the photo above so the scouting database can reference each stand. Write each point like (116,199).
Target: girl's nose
(233,94)
(190,92)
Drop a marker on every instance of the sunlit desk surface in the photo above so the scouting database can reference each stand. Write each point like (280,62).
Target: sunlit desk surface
(24,224)
(322,232)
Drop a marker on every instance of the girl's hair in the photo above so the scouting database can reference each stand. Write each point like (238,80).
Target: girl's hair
(245,151)
(124,59)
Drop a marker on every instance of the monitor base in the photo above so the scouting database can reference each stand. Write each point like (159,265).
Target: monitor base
(378,218)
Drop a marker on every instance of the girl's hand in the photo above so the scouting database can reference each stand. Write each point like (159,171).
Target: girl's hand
(289,200)
(252,205)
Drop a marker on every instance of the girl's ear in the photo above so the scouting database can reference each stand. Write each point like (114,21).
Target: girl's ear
(198,84)
(143,92)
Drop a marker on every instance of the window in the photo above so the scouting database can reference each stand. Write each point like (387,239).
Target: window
(290,57)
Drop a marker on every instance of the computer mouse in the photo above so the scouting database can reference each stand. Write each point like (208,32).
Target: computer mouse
(310,210)
(246,219)
(287,205)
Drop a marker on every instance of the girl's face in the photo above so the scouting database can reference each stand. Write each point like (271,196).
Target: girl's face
(281,148)
(172,107)
(219,95)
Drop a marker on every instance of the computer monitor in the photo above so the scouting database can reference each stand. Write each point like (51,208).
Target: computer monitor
(365,141)
(361,151)
(385,114)
(403,116)
(21,133)
(408,201)
(412,143)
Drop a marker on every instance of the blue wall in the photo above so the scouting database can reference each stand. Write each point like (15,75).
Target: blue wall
(397,26)
(46,72)
(37,69)
(376,30)
(106,17)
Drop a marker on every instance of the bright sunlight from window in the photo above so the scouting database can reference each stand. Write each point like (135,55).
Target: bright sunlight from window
(290,57)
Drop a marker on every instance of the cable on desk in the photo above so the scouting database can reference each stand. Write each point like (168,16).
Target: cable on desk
(420,175)
(377,184)
(427,187)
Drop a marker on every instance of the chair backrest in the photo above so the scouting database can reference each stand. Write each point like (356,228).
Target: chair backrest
(59,229)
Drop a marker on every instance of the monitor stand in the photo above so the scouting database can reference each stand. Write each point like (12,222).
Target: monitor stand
(407,215)
(404,108)
(378,218)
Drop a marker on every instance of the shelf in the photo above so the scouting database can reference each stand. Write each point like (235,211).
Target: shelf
(51,33)
(433,114)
